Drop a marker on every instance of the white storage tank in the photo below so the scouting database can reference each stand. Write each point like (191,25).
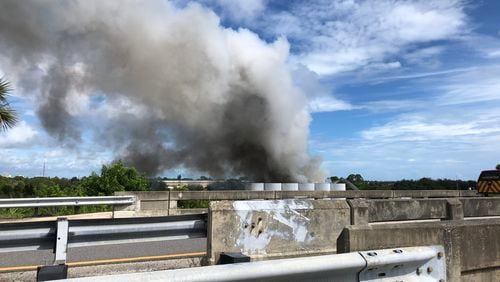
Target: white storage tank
(306,186)
(256,187)
(338,187)
(322,187)
(272,186)
(290,187)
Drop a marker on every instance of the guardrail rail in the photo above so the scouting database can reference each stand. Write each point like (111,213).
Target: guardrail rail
(62,234)
(400,264)
(66,201)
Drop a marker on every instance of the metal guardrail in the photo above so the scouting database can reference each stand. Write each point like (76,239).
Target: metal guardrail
(64,234)
(66,201)
(402,264)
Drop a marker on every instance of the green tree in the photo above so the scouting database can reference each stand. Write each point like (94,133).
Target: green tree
(8,117)
(356,179)
(113,178)
(498,166)
(334,179)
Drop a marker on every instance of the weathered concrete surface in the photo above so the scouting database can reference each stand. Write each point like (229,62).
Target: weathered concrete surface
(470,193)
(454,209)
(222,195)
(263,229)
(360,212)
(476,207)
(472,247)
(402,209)
(426,193)
(150,201)
(272,195)
(188,211)
(384,205)
(110,269)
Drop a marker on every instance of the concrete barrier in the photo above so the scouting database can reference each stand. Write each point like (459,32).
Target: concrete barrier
(472,247)
(375,210)
(399,209)
(476,207)
(417,208)
(263,229)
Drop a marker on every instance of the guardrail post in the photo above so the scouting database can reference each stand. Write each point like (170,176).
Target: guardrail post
(59,270)
(61,240)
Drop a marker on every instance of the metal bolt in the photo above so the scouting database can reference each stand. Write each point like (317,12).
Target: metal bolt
(419,270)
(440,255)
(246,225)
(397,251)
(253,225)
(429,269)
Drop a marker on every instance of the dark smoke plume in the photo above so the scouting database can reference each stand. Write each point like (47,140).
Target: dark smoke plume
(163,87)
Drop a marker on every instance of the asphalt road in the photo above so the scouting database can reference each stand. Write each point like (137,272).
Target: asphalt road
(129,250)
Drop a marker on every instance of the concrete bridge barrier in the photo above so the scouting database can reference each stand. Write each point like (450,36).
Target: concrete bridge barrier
(270,228)
(472,247)
(264,229)
(165,202)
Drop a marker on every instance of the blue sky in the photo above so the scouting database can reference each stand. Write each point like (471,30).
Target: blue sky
(397,89)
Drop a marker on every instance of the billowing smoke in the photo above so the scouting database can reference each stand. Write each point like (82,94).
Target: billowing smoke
(161,86)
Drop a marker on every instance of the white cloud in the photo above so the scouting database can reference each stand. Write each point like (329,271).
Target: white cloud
(337,36)
(328,104)
(476,85)
(243,9)
(392,105)
(422,75)
(494,53)
(441,141)
(60,162)
(425,57)
(20,135)
(487,46)
(414,128)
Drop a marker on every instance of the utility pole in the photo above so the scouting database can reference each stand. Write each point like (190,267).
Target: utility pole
(43,171)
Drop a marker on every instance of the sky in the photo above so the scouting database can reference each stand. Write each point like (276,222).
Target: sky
(397,89)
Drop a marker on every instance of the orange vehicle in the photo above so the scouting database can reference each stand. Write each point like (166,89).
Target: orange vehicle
(489,181)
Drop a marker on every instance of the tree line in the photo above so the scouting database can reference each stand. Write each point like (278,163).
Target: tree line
(424,183)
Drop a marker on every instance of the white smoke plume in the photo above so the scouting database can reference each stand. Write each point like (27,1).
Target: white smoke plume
(178,89)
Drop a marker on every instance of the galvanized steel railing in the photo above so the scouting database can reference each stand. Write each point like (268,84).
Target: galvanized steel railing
(65,201)
(401,264)
(64,234)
